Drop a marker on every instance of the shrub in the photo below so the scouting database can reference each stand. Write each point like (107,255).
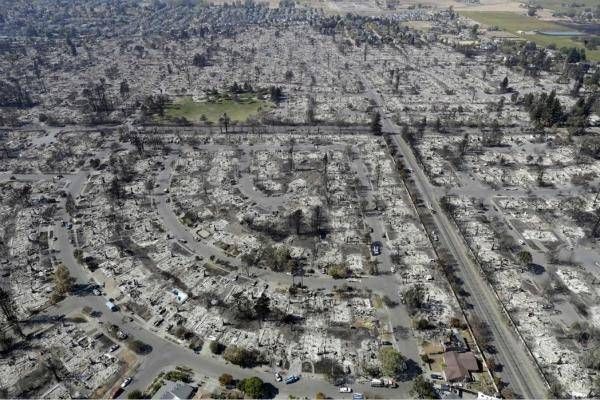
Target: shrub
(178,376)
(135,394)
(339,272)
(226,380)
(240,356)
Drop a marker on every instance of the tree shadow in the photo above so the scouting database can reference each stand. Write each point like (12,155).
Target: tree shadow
(270,391)
(413,369)
(82,289)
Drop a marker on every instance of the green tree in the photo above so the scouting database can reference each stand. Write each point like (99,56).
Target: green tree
(296,220)
(216,347)
(376,126)
(393,363)
(414,298)
(6,342)
(525,257)
(504,85)
(253,387)
(124,88)
(591,359)
(261,308)
(595,389)
(556,391)
(289,75)
(423,389)
(276,259)
(224,121)
(62,280)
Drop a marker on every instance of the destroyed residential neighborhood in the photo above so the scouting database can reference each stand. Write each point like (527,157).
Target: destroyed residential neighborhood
(299,199)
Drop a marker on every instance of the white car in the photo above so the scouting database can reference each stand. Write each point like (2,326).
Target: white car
(345,389)
(278,377)
(126,382)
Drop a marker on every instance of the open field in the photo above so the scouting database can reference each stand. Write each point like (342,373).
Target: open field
(561,5)
(513,23)
(239,110)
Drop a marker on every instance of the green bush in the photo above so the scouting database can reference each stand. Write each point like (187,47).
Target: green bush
(253,387)
(240,356)
(136,394)
(178,376)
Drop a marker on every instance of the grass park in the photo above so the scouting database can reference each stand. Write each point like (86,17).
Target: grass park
(238,109)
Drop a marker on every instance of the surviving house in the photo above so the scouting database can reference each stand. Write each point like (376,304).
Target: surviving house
(459,366)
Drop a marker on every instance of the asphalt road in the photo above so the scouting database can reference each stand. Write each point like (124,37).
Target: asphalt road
(518,368)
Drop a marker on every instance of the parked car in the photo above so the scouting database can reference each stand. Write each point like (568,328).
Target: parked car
(126,382)
(291,379)
(376,248)
(114,347)
(96,292)
(377,383)
(278,377)
(345,389)
(437,377)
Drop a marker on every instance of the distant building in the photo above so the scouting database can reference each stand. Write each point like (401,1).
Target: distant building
(174,391)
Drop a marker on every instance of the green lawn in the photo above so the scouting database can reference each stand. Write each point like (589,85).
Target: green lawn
(212,110)
(562,5)
(512,23)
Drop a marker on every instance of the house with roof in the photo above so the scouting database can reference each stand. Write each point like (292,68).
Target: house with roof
(174,391)
(459,366)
